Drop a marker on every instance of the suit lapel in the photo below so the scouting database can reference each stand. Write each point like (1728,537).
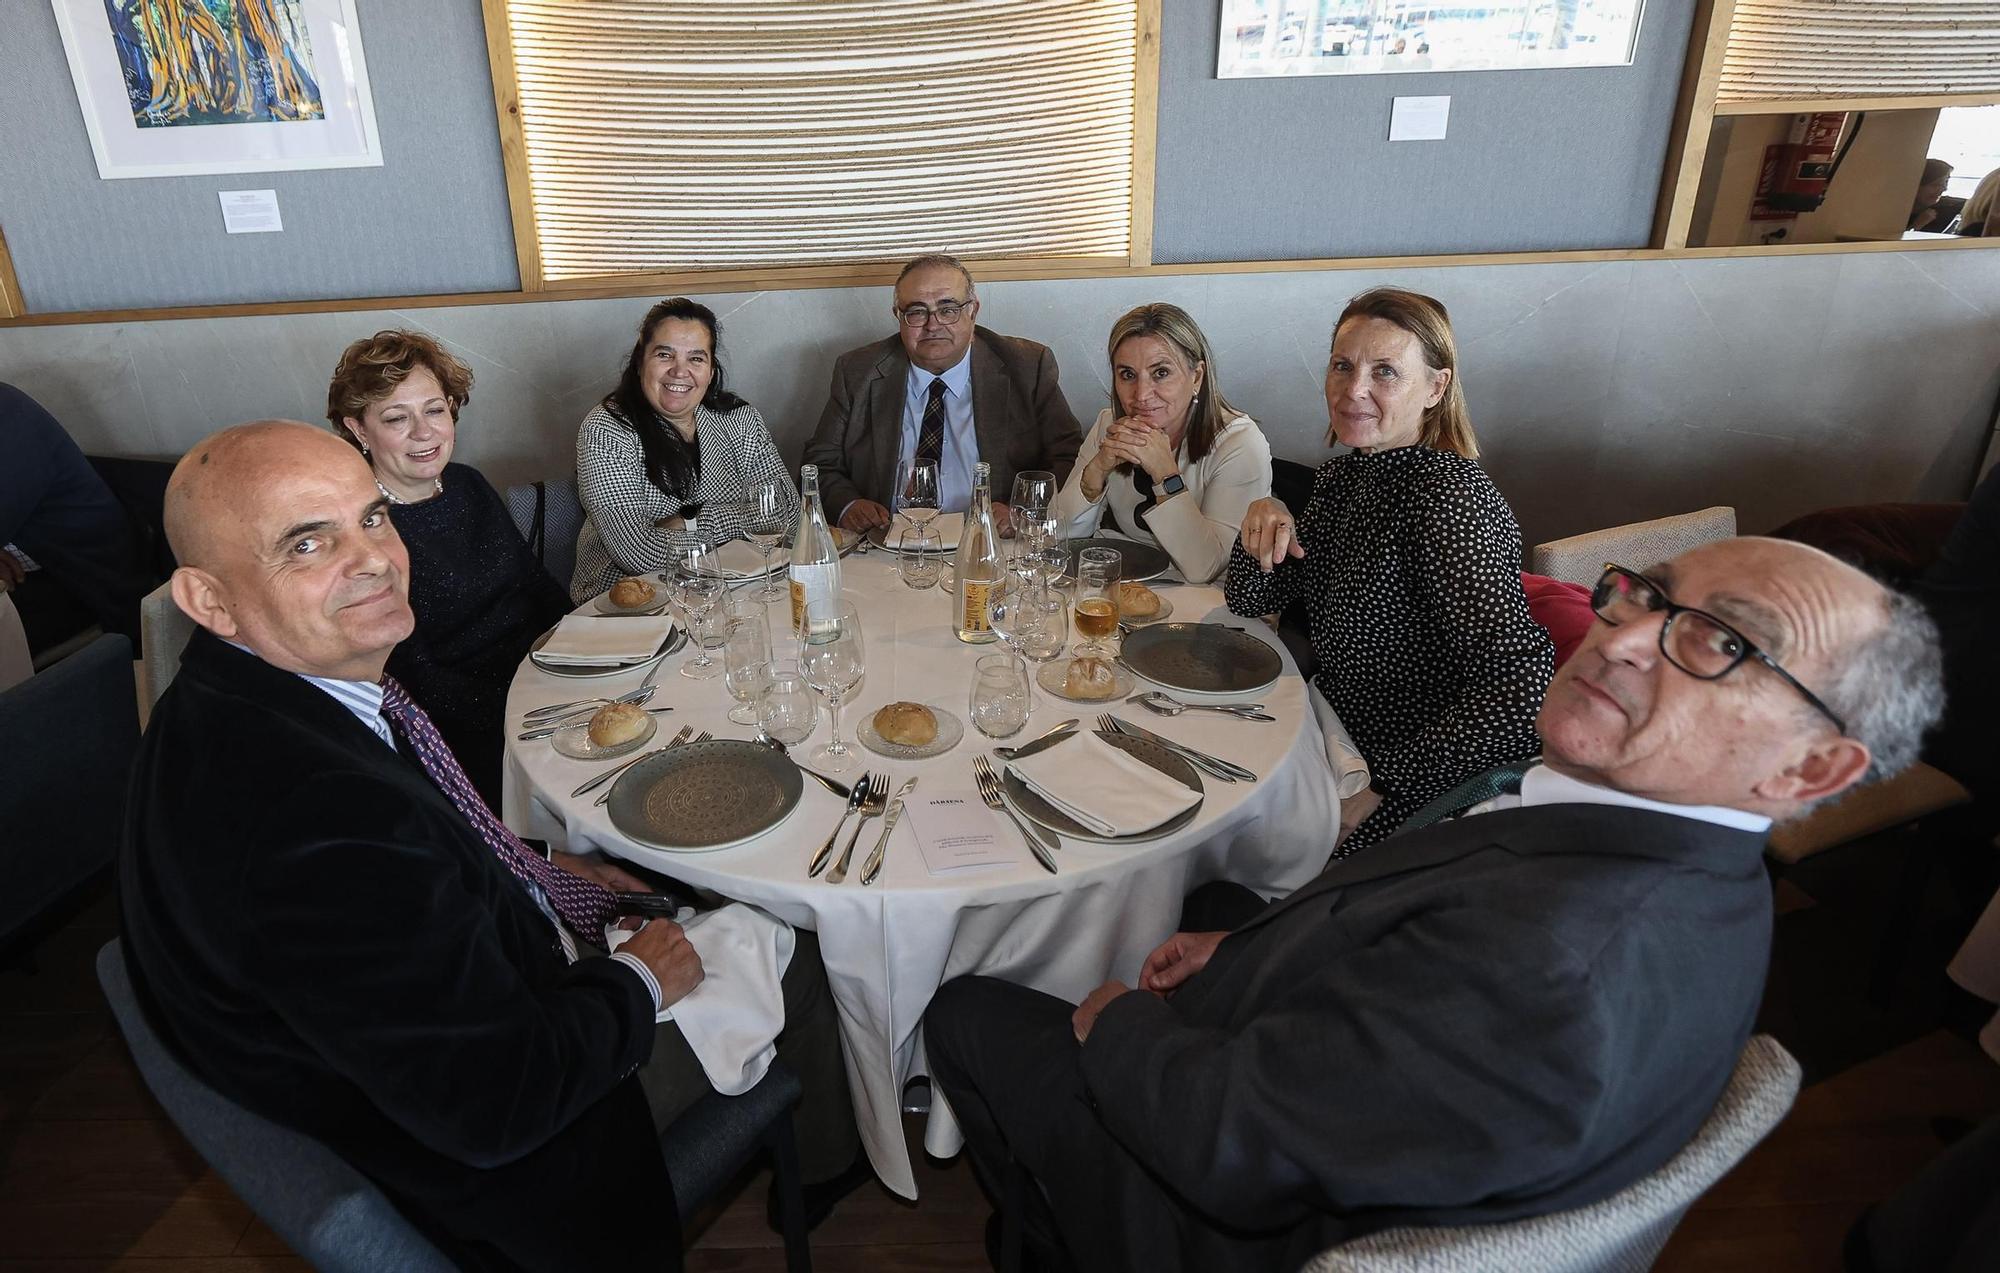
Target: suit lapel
(886,391)
(989,412)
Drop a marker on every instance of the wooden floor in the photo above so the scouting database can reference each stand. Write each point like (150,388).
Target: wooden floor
(93,1177)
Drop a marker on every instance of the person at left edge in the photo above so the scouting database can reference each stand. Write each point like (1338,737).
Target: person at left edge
(480,596)
(327,925)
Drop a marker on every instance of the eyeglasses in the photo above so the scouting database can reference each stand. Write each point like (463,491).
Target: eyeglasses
(1692,640)
(947,312)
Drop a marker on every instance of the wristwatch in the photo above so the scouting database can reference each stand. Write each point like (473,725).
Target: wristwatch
(1173,485)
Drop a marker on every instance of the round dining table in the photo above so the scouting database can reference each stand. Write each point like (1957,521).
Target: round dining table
(889,945)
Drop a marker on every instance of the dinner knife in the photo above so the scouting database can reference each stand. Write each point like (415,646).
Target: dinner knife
(873,866)
(1228,771)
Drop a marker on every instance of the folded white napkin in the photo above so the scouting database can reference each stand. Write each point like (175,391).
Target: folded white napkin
(950,528)
(1350,768)
(740,559)
(1102,787)
(732,1019)
(584,640)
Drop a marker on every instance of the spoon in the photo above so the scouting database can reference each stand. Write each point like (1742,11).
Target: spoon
(1153,700)
(840,789)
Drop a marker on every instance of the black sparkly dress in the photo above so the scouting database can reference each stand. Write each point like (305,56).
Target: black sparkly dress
(481,598)
(1412,582)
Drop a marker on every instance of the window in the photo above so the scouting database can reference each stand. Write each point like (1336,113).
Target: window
(718,134)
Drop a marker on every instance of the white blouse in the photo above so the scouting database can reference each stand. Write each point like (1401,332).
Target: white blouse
(1199,526)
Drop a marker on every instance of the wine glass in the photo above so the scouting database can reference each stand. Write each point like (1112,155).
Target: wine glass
(1043,627)
(769,518)
(786,708)
(1033,493)
(917,490)
(919,557)
(746,661)
(998,703)
(699,584)
(1097,572)
(833,662)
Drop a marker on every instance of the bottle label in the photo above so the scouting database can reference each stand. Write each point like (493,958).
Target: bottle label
(815,600)
(974,596)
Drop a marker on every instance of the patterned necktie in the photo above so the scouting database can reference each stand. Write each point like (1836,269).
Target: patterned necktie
(583,905)
(1503,781)
(930,435)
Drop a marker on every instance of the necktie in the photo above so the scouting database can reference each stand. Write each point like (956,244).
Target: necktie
(930,434)
(585,906)
(1503,781)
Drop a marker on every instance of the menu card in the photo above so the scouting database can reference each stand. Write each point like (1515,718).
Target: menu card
(955,831)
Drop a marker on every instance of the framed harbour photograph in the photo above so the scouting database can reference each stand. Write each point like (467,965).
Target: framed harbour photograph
(1378,37)
(186,87)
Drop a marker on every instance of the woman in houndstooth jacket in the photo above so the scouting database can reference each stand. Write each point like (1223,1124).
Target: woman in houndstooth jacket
(668,442)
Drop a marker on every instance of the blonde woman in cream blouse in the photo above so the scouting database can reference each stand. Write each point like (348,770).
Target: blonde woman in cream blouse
(1173,461)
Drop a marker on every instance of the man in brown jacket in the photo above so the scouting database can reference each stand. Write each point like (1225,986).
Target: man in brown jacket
(943,388)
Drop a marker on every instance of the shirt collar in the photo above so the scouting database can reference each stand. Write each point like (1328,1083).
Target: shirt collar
(957,377)
(363,698)
(1543,785)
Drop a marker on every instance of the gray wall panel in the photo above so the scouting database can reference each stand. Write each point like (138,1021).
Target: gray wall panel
(432,218)
(1301,167)
(1602,392)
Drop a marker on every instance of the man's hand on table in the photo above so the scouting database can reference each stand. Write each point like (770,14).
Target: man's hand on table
(599,871)
(1177,958)
(863,515)
(665,949)
(1086,1012)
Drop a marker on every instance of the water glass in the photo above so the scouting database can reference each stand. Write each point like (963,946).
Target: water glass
(834,662)
(786,707)
(920,554)
(999,700)
(1097,575)
(770,507)
(746,661)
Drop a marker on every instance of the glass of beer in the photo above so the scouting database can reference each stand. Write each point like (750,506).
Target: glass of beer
(1097,573)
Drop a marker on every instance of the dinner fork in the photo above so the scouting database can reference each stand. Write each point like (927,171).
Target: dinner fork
(680,740)
(591,784)
(878,800)
(542,715)
(989,791)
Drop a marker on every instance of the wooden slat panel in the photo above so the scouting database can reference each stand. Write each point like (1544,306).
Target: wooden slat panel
(1861,48)
(729,133)
(11,304)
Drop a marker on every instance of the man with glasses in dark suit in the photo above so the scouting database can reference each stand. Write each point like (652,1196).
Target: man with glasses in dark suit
(1525,1001)
(943,389)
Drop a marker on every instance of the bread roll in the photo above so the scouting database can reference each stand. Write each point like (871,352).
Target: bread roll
(1137,601)
(631,594)
(1090,678)
(910,724)
(617,723)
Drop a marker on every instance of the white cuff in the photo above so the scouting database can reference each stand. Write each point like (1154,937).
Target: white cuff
(638,965)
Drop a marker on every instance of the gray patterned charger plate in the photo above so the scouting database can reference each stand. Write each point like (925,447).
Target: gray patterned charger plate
(1139,562)
(1201,658)
(700,797)
(1142,749)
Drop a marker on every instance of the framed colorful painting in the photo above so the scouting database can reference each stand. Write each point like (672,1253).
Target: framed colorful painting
(182,87)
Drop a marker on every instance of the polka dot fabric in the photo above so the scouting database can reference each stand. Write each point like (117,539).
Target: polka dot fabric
(1411,580)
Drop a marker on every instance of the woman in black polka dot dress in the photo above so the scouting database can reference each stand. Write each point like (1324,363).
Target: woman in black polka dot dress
(1408,560)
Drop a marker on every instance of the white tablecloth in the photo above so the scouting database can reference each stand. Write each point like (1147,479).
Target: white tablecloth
(889,946)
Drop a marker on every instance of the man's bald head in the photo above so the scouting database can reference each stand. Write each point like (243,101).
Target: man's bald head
(285,546)
(1623,714)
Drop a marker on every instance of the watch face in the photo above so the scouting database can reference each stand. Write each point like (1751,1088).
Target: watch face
(1173,485)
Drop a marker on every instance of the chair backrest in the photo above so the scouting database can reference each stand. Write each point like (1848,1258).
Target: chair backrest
(17,663)
(1581,558)
(1561,608)
(164,629)
(550,517)
(68,734)
(1621,1234)
(325,1210)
